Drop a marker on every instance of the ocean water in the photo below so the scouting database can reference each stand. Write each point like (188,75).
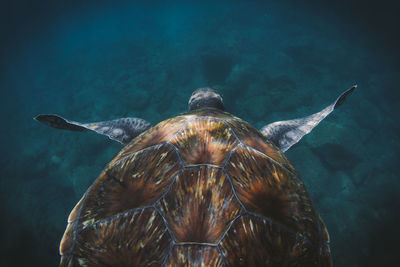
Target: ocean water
(270,60)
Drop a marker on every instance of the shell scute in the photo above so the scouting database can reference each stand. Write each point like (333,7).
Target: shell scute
(67,241)
(136,180)
(252,241)
(200,205)
(205,141)
(158,134)
(76,210)
(194,256)
(250,136)
(138,238)
(268,189)
(325,252)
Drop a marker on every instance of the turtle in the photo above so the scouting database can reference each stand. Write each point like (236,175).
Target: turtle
(204,188)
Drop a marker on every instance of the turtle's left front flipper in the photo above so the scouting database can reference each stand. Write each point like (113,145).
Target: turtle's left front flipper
(284,134)
(121,130)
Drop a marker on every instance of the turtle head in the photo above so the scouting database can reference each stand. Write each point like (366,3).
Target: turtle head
(205,98)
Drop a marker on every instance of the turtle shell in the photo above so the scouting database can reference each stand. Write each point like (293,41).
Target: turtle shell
(201,189)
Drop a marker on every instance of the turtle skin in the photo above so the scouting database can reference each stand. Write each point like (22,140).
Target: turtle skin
(201,189)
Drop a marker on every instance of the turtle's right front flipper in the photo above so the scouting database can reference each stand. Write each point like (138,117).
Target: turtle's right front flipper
(121,130)
(285,134)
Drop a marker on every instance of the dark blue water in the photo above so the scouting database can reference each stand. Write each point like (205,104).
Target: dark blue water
(270,60)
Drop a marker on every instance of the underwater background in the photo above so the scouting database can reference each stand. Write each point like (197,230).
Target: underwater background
(271,60)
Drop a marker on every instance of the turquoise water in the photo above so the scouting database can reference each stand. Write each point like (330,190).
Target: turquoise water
(269,60)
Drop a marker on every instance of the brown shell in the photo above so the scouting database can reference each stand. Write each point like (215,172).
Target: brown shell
(201,189)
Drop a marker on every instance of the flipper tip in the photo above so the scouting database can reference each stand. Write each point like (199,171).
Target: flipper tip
(37,118)
(58,122)
(344,95)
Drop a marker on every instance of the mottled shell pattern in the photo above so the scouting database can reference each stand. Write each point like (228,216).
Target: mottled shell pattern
(201,189)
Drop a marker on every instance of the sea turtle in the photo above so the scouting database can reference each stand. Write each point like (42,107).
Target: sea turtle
(204,188)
